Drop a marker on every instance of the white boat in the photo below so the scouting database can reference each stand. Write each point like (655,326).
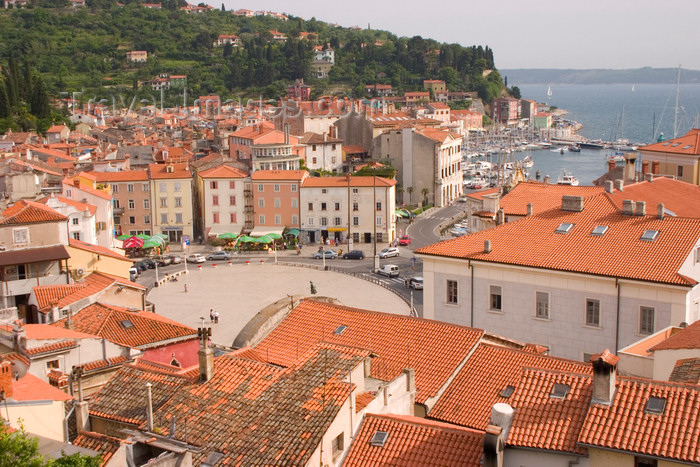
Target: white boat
(527,162)
(565,178)
(549,91)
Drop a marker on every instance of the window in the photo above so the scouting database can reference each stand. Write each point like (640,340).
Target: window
(147,219)
(233,218)
(649,235)
(337,206)
(380,237)
(261,187)
(162,187)
(356,221)
(592,312)
(294,203)
(507,391)
(132,220)
(311,206)
(76,235)
(215,217)
(310,221)
(379,206)
(20,235)
(278,202)
(379,220)
(178,218)
(261,219)
(213,185)
(261,202)
(132,204)
(293,188)
(495,293)
(178,202)
(116,204)
(355,190)
(645,462)
(313,147)
(355,237)
(646,320)
(451,292)
(379,438)
(130,187)
(52,364)
(76,221)
(276,187)
(164,202)
(338,444)
(559,391)
(117,220)
(337,221)
(323,206)
(355,206)
(564,227)
(599,230)
(680,171)
(147,204)
(115,188)
(295,220)
(145,187)
(163,218)
(215,200)
(178,186)
(655,405)
(278,219)
(68,194)
(324,221)
(232,200)
(542,307)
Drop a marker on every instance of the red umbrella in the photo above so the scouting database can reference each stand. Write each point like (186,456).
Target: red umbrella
(133,242)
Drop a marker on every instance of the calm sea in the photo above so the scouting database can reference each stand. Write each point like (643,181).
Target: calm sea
(639,113)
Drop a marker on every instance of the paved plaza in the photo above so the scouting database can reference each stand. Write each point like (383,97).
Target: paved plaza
(239,291)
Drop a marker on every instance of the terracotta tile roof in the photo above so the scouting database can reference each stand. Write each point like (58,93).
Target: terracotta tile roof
(543,196)
(618,253)
(76,204)
(15,356)
(87,189)
(353,149)
(250,411)
(160,171)
(65,294)
(317,138)
(340,182)
(297,175)
(29,212)
(97,249)
(223,171)
(680,198)
(138,329)
(36,166)
(607,357)
(626,426)
(688,338)
(478,195)
(489,370)
(123,398)
(101,364)
(56,129)
(53,347)
(46,331)
(122,176)
(51,152)
(432,348)
(688,144)
(31,388)
(415,441)
(191,372)
(362,400)
(686,371)
(47,294)
(545,422)
(106,445)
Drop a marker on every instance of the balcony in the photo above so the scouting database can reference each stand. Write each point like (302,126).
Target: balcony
(118,211)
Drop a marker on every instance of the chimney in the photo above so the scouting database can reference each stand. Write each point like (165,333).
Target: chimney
(410,380)
(611,165)
(627,207)
(572,203)
(76,182)
(487,246)
(609,186)
(529,209)
(655,167)
(630,166)
(149,408)
(206,355)
(6,378)
(604,377)
(546,179)
(286,133)
(649,177)
(497,434)
(660,211)
(619,185)
(19,336)
(500,217)
(641,208)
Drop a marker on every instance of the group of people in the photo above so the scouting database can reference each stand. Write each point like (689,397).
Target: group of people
(214,316)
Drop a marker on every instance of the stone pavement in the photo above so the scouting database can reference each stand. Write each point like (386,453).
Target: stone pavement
(239,291)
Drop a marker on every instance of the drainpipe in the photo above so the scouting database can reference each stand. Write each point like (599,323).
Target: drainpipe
(471,294)
(617,324)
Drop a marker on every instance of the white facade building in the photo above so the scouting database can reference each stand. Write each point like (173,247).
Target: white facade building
(221,199)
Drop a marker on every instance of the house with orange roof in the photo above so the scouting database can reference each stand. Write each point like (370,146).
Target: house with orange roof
(678,157)
(33,240)
(131,200)
(576,277)
(467,120)
(269,146)
(84,188)
(138,56)
(426,159)
(171,200)
(323,152)
(82,224)
(227,39)
(342,208)
(220,208)
(57,134)
(276,198)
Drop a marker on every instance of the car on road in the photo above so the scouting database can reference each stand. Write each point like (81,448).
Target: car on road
(405,240)
(462,199)
(354,254)
(163,260)
(149,262)
(328,254)
(175,259)
(389,270)
(195,258)
(388,252)
(219,256)
(141,265)
(133,274)
(416,283)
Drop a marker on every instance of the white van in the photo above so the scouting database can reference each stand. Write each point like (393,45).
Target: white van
(389,270)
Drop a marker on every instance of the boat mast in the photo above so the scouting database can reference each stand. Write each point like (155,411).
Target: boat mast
(678,90)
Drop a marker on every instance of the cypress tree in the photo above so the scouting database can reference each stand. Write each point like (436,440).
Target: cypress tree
(5,109)
(39,103)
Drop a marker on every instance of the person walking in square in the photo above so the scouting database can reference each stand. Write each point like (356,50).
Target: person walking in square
(211,315)
(216,317)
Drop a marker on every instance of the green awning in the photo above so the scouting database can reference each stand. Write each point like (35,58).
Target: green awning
(228,235)
(274,235)
(294,232)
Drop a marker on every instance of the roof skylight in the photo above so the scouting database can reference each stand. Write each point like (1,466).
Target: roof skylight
(655,405)
(379,438)
(649,235)
(686,147)
(675,144)
(564,227)
(666,144)
(126,324)
(599,230)
(340,329)
(559,391)
(507,391)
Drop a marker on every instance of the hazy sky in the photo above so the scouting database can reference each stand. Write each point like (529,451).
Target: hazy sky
(528,33)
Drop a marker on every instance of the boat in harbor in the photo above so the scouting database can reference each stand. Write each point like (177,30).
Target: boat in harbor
(574,148)
(565,178)
(591,145)
(527,162)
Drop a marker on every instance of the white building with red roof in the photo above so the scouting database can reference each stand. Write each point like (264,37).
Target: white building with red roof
(83,188)
(82,224)
(221,203)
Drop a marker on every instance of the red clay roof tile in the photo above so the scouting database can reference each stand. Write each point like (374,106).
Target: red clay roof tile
(106,445)
(30,212)
(686,371)
(680,198)
(688,338)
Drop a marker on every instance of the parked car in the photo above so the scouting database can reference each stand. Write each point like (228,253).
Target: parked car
(354,254)
(416,283)
(219,256)
(389,270)
(150,264)
(462,199)
(141,265)
(388,252)
(133,274)
(405,240)
(195,258)
(163,260)
(328,254)
(175,259)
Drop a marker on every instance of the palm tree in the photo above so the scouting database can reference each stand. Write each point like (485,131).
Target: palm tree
(409,190)
(399,191)
(425,192)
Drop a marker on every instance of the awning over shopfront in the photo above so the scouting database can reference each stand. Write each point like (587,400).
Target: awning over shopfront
(33,255)
(337,229)
(260,231)
(294,232)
